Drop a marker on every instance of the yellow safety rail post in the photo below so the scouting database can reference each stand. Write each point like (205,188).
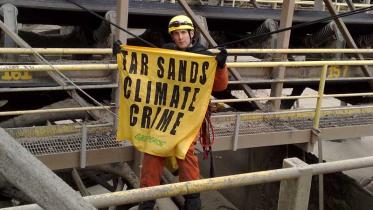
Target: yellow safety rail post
(320,96)
(316,131)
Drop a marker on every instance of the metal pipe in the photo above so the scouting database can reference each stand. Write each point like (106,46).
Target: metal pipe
(299,63)
(290,97)
(57,51)
(168,190)
(321,176)
(69,87)
(88,108)
(342,165)
(259,99)
(293,51)
(307,113)
(83,149)
(88,67)
(8,113)
(236,132)
(98,51)
(181,188)
(348,95)
(60,67)
(263,81)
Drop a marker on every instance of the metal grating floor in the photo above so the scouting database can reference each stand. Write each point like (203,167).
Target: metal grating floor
(72,143)
(276,125)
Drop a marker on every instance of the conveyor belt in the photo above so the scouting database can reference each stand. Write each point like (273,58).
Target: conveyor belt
(156,14)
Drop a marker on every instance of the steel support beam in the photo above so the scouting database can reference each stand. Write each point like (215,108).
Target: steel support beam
(295,193)
(351,5)
(9,12)
(236,75)
(122,21)
(28,174)
(283,42)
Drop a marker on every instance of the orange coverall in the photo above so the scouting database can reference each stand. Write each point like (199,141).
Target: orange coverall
(152,166)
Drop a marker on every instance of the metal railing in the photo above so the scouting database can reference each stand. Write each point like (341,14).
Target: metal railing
(295,170)
(111,67)
(157,191)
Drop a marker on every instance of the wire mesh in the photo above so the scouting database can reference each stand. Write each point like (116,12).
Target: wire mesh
(68,144)
(226,128)
(72,143)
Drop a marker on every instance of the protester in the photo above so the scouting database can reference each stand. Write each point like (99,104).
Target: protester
(181,30)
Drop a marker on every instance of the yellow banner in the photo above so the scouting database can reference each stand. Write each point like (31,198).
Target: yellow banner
(164,95)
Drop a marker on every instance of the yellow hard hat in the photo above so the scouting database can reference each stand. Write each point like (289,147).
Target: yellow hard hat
(180,22)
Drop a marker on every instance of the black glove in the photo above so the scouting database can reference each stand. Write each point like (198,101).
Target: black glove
(116,47)
(221,57)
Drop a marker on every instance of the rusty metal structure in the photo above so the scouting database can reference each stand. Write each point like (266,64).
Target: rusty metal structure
(65,73)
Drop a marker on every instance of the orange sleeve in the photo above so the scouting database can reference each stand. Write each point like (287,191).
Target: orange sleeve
(221,79)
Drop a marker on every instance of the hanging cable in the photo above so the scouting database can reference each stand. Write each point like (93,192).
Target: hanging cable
(298,26)
(357,11)
(111,23)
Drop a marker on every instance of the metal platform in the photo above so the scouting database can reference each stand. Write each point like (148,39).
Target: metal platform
(63,150)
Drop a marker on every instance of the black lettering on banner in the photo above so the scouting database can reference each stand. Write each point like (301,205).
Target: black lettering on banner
(134,109)
(175,97)
(148,91)
(127,82)
(177,123)
(193,72)
(171,69)
(133,66)
(182,70)
(160,71)
(165,120)
(191,107)
(144,64)
(202,78)
(146,114)
(137,91)
(156,116)
(160,93)
(124,60)
(186,94)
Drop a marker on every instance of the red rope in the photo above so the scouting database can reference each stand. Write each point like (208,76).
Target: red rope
(206,131)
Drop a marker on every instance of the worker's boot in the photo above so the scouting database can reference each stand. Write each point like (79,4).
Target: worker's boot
(147,205)
(192,202)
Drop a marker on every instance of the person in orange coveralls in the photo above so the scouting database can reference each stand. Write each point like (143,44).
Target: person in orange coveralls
(181,30)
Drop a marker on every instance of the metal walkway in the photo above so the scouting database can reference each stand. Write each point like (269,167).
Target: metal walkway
(64,151)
